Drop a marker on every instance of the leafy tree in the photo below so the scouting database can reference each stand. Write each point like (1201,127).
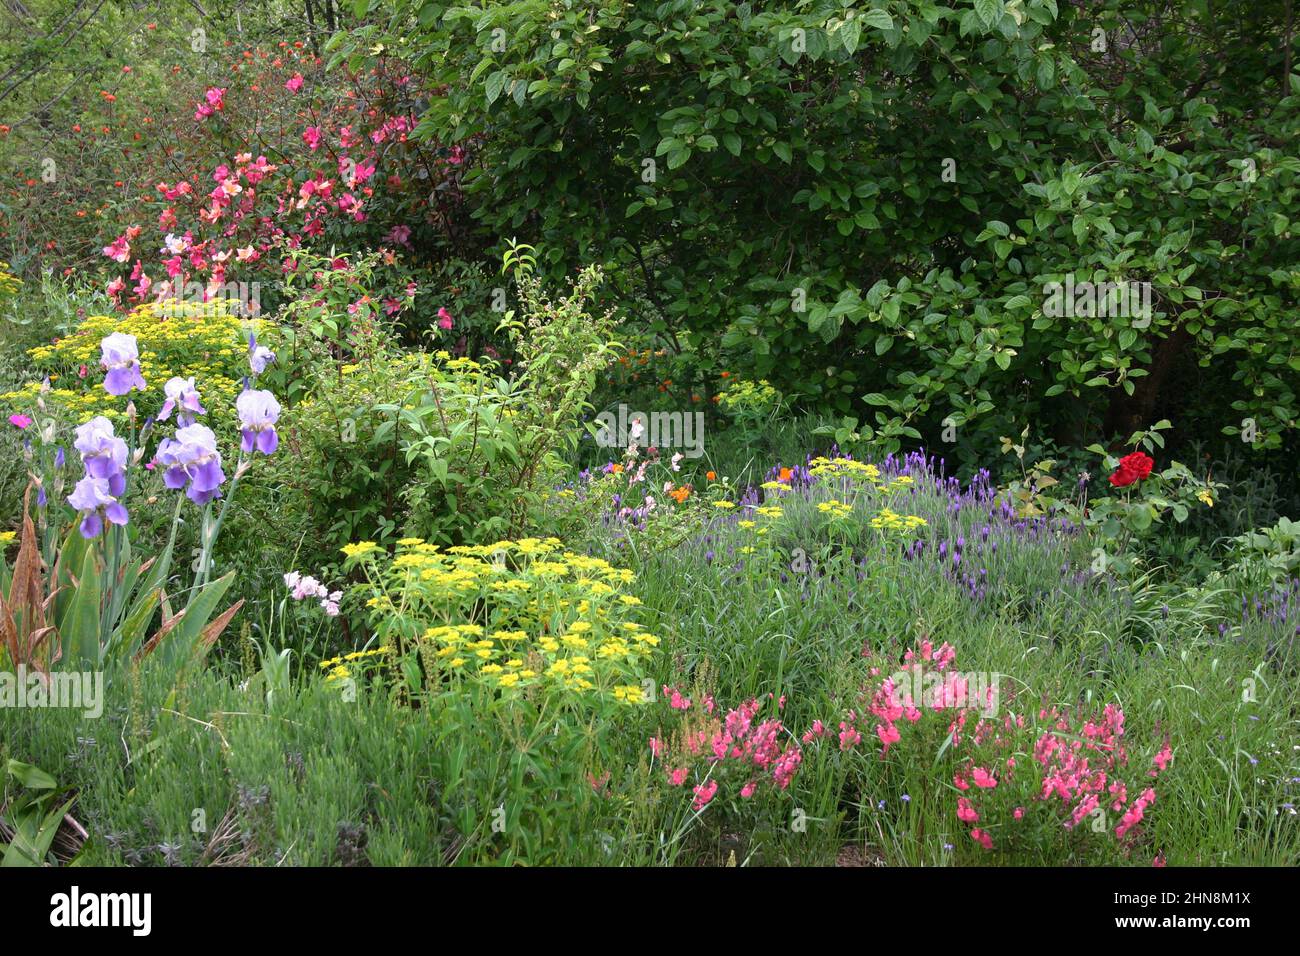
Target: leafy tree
(867,203)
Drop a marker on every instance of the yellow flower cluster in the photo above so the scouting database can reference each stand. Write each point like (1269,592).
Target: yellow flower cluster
(9,283)
(823,467)
(338,666)
(835,508)
(514,615)
(889,520)
(754,398)
(205,340)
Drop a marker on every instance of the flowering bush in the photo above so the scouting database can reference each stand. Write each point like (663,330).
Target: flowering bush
(266,153)
(519,641)
(1119,520)
(516,617)
(205,345)
(739,751)
(1022,783)
(750,404)
(1141,496)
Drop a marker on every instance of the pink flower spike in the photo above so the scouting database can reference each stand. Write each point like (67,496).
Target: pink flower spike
(983,778)
(704,793)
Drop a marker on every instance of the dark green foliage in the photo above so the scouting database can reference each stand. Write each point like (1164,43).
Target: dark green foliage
(864,202)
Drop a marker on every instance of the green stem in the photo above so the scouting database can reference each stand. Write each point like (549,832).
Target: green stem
(210,540)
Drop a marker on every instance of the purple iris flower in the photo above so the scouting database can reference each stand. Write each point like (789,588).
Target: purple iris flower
(184,397)
(121,357)
(103,453)
(192,458)
(258,412)
(96,502)
(259,356)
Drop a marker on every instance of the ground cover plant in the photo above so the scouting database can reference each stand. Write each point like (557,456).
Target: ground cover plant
(650,434)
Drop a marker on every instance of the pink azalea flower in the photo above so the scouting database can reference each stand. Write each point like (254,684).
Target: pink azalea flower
(294,84)
(119,250)
(20,421)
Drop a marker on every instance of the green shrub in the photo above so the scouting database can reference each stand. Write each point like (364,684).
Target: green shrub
(868,205)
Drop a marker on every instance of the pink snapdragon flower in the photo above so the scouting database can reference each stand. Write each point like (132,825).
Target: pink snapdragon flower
(704,793)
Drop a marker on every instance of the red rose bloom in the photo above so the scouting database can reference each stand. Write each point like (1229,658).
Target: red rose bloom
(1132,468)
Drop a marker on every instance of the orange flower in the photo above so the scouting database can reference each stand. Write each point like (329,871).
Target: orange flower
(785,474)
(711,475)
(616,470)
(680,494)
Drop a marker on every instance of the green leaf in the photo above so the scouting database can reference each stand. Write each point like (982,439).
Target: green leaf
(129,634)
(180,646)
(1046,73)
(851,34)
(989,11)
(79,631)
(878,19)
(34,778)
(1140,518)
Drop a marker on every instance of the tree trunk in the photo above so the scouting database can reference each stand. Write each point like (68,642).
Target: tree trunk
(1128,413)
